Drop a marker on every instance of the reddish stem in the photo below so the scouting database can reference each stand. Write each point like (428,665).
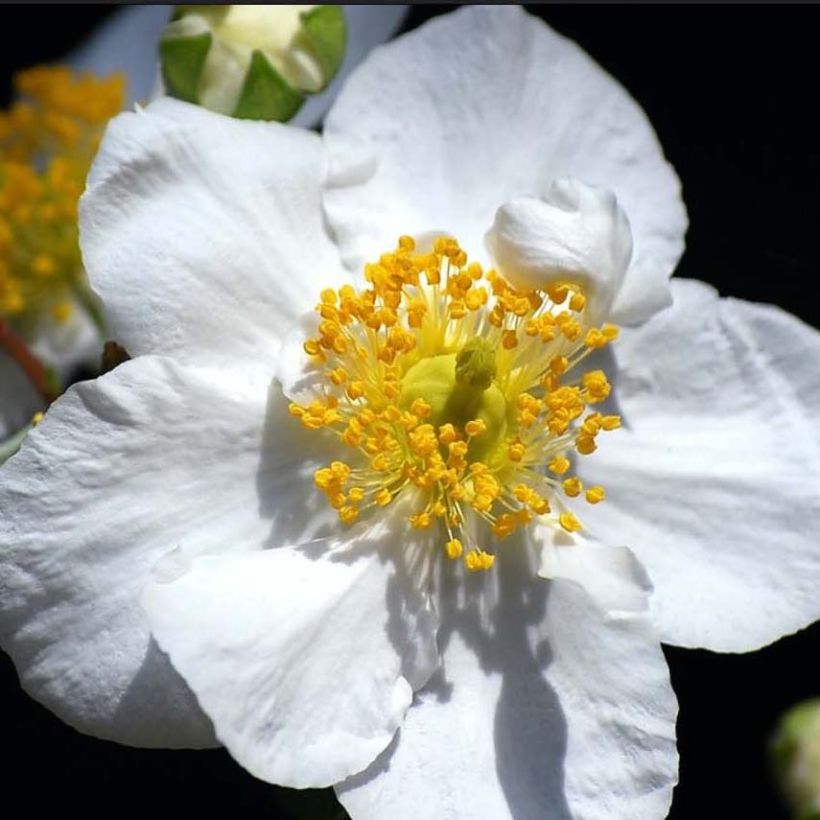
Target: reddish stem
(17,349)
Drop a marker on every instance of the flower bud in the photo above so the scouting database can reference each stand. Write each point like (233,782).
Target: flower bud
(795,754)
(252,62)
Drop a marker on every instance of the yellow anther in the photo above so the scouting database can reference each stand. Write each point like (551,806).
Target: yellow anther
(454,549)
(421,521)
(558,293)
(611,422)
(476,299)
(585,445)
(458,448)
(572,486)
(295,410)
(476,427)
(559,364)
(611,332)
(447,434)
(340,471)
(323,478)
(482,503)
(596,385)
(383,497)
(407,243)
(559,465)
(577,302)
(348,514)
(569,522)
(355,390)
(477,560)
(338,376)
(594,495)
(421,408)
(509,339)
(516,451)
(540,505)
(522,492)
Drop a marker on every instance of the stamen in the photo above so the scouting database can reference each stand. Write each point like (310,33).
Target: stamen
(448,381)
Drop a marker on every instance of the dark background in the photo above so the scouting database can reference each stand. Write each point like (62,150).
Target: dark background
(732,94)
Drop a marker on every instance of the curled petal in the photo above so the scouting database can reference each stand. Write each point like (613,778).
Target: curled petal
(576,233)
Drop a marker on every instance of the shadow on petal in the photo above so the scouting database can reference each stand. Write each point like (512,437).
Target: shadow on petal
(158,689)
(287,495)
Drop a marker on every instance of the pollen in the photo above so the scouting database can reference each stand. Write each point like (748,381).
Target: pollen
(47,141)
(451,387)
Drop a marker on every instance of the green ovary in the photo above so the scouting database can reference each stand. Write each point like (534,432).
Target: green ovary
(456,402)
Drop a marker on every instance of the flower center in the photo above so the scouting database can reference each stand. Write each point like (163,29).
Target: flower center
(459,391)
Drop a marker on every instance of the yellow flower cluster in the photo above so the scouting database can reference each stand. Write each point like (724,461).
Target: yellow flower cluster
(47,141)
(461,391)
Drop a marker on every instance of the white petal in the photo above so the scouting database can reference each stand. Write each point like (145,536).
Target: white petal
(437,129)
(300,657)
(611,575)
(576,233)
(714,482)
(202,234)
(19,401)
(545,707)
(149,460)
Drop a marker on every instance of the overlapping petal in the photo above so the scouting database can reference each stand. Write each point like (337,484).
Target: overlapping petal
(440,127)
(303,658)
(714,481)
(204,235)
(150,462)
(545,705)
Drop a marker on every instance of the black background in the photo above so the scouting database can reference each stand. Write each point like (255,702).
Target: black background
(732,94)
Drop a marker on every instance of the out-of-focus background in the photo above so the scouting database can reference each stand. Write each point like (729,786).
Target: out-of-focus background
(731,92)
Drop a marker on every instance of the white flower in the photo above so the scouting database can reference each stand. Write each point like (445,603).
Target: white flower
(180,479)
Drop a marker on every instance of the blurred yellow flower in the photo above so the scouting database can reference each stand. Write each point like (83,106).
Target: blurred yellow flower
(47,141)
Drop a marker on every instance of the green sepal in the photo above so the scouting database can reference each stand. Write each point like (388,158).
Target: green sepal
(265,95)
(324,35)
(182,61)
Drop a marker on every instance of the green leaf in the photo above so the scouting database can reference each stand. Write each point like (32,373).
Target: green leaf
(324,35)
(182,60)
(265,95)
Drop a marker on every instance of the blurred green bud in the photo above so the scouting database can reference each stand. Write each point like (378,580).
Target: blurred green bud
(795,753)
(252,62)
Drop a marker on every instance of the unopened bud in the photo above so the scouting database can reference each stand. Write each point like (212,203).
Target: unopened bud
(795,754)
(252,62)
